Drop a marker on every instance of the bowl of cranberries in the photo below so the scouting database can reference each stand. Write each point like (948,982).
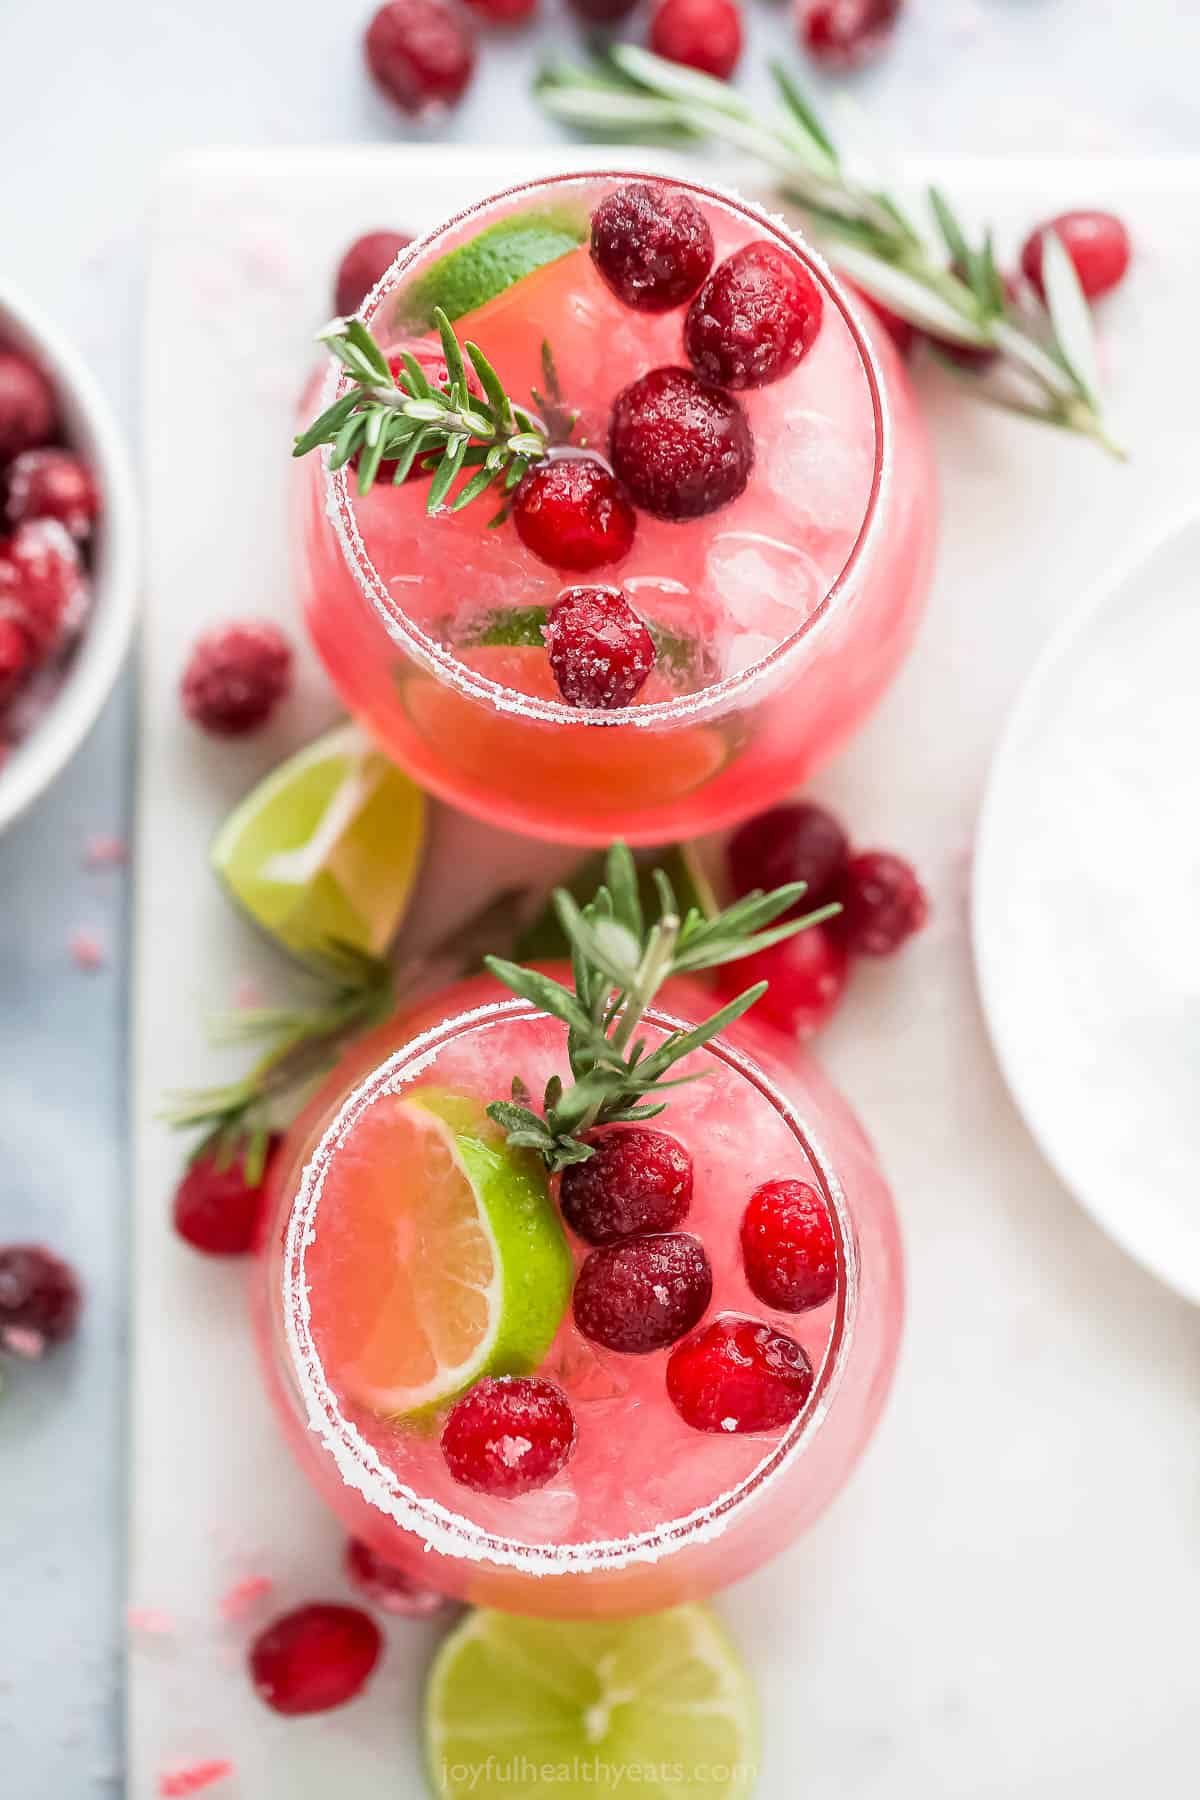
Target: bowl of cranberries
(67,553)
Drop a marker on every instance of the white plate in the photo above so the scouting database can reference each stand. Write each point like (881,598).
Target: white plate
(1087,906)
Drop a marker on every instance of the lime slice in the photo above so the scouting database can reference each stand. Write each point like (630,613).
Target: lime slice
(467,278)
(543,940)
(452,1262)
(327,847)
(659,1705)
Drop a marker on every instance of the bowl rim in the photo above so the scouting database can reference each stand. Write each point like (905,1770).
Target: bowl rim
(41,757)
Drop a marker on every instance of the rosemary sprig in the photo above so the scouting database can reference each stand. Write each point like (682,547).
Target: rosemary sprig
(1046,366)
(448,429)
(619,963)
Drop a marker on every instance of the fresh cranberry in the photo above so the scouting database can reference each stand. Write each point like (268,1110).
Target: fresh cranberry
(421,53)
(504,12)
(389,1587)
(755,318)
(215,1208)
(40,1296)
(16,657)
(806,976)
(643,1294)
(600,651)
(739,1374)
(1096,242)
(602,12)
(28,410)
(366,261)
(681,446)
(788,1247)
(845,34)
(636,1180)
(800,841)
(235,678)
(571,513)
(315,1658)
(508,1434)
(651,244)
(53,484)
(883,903)
(701,34)
(42,584)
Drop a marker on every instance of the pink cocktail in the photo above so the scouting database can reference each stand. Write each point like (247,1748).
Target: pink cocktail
(774,589)
(655,1502)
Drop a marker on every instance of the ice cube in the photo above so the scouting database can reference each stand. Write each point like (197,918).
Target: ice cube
(821,474)
(763,584)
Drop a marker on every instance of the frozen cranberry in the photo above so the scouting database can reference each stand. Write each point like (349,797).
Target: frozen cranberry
(681,446)
(40,1296)
(42,584)
(1096,242)
(845,34)
(389,1587)
(701,34)
(806,975)
(600,651)
(215,1208)
(366,261)
(53,484)
(16,657)
(800,841)
(504,12)
(883,903)
(739,1374)
(421,53)
(756,316)
(636,1180)
(28,410)
(788,1247)
(651,244)
(315,1658)
(235,678)
(602,12)
(508,1434)
(643,1294)
(571,513)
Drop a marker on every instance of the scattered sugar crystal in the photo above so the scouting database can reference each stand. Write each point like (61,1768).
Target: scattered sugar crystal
(87,950)
(104,851)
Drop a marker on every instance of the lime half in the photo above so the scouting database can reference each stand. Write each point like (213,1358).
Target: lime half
(327,847)
(660,1705)
(468,277)
(451,1261)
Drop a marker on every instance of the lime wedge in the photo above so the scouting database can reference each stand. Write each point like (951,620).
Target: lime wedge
(659,1705)
(453,1261)
(543,940)
(327,847)
(467,278)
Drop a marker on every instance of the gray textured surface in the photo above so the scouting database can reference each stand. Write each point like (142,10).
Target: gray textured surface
(83,132)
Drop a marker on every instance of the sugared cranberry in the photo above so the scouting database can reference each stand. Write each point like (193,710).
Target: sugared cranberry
(651,244)
(1096,242)
(571,513)
(788,1247)
(40,1298)
(883,903)
(643,1294)
(216,1209)
(806,975)
(28,410)
(701,34)
(315,1658)
(636,1180)
(739,1374)
(800,841)
(681,446)
(755,318)
(845,34)
(235,678)
(388,1587)
(504,12)
(600,651)
(16,657)
(366,261)
(508,1434)
(602,12)
(53,484)
(42,584)
(421,53)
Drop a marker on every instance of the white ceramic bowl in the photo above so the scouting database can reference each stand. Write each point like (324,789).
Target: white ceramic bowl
(88,425)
